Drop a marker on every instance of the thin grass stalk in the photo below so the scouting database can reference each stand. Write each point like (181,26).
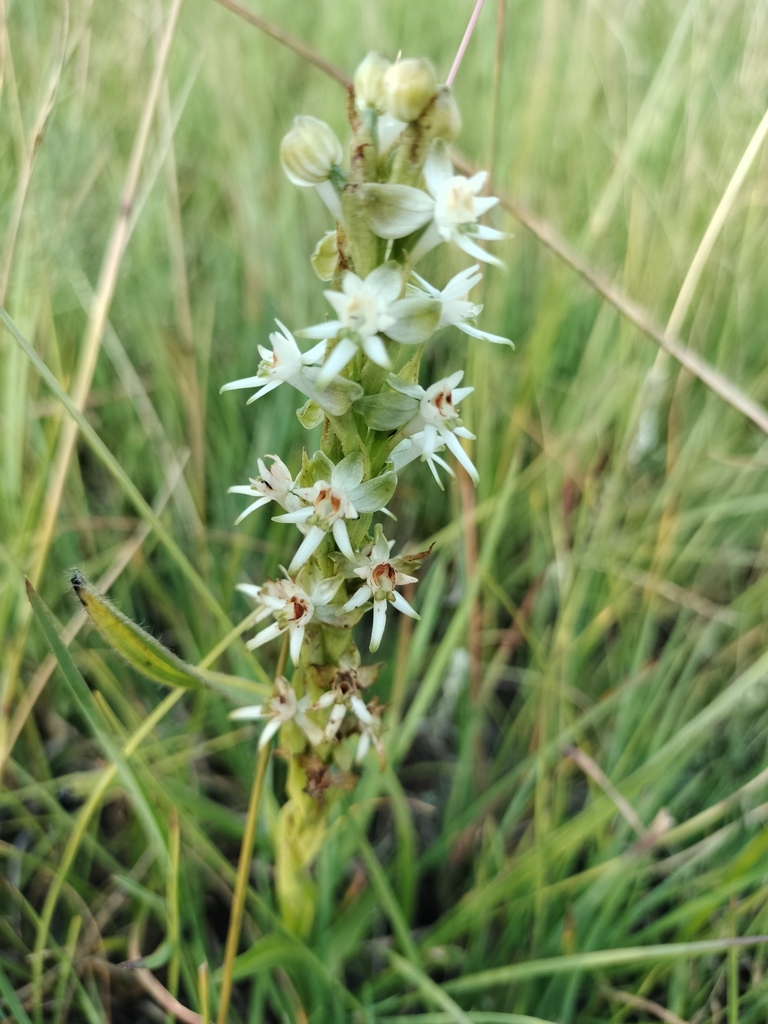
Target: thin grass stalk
(172,898)
(204,992)
(241,885)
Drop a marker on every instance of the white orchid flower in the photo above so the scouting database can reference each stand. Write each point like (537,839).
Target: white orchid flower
(293,608)
(380,575)
(330,502)
(366,309)
(450,208)
(455,307)
(438,417)
(425,447)
(274,483)
(281,708)
(370,725)
(285,363)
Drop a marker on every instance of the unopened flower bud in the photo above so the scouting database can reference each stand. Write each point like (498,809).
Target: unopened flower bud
(410,85)
(309,151)
(369,82)
(446,114)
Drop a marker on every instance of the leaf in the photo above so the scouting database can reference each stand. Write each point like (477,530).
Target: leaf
(395,211)
(148,656)
(387,411)
(12,1001)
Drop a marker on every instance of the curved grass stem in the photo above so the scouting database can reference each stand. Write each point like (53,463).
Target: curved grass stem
(241,885)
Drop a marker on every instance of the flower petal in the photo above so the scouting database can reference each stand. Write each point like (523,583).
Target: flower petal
(297,639)
(385,282)
(379,622)
(308,547)
(269,731)
(336,361)
(465,242)
(402,606)
(247,714)
(341,536)
(326,330)
(475,332)
(438,167)
(376,351)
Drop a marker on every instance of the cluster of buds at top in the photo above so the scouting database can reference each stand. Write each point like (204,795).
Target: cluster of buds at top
(396,199)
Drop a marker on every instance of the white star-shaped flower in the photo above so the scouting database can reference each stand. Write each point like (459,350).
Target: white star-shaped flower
(281,708)
(381,575)
(425,447)
(285,363)
(293,608)
(346,688)
(330,502)
(455,307)
(366,309)
(274,483)
(451,208)
(438,417)
(370,725)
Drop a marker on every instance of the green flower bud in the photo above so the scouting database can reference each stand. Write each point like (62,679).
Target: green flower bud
(410,85)
(309,151)
(369,82)
(446,116)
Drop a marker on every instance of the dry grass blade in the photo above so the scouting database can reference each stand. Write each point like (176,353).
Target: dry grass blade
(640,1003)
(110,268)
(156,989)
(305,52)
(590,767)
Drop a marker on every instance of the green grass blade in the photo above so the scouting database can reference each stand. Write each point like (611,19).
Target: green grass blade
(147,655)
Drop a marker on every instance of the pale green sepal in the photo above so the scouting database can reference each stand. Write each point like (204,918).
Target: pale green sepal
(325,258)
(319,467)
(387,411)
(395,211)
(310,415)
(148,656)
(417,320)
(374,494)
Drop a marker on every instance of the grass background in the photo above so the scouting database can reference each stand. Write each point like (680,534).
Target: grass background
(595,591)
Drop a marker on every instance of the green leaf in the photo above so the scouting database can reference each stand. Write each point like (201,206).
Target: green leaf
(12,1001)
(148,656)
(598,960)
(387,411)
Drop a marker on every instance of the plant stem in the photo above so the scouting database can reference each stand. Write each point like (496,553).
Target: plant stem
(241,884)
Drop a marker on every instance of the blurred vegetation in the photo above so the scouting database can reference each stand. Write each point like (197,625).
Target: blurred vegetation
(603,590)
